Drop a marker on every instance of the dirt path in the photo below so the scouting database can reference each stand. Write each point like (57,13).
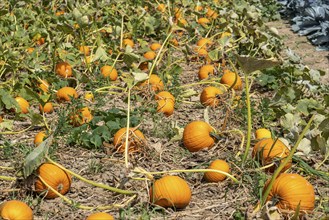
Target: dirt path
(303,48)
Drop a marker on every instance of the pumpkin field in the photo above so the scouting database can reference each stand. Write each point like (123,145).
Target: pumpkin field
(168,109)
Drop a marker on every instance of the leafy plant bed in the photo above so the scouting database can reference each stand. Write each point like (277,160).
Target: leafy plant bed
(114,134)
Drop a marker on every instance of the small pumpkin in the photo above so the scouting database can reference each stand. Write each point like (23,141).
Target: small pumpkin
(203,21)
(197,136)
(54,176)
(23,104)
(210,96)
(136,140)
(81,117)
(63,69)
(44,85)
(291,190)
(149,55)
(100,216)
(204,42)
(165,95)
(155,46)
(39,138)
(268,150)
(128,42)
(85,50)
(205,70)
(89,96)
(263,133)
(211,13)
(155,82)
(220,165)
(15,210)
(161,7)
(109,71)
(231,79)
(166,107)
(47,108)
(66,93)
(171,191)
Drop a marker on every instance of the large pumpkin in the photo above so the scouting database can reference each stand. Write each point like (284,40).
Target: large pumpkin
(268,150)
(66,93)
(136,140)
(291,189)
(53,176)
(100,216)
(15,210)
(210,96)
(171,191)
(196,136)
(220,165)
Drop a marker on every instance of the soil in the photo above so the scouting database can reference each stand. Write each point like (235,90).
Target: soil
(302,47)
(222,200)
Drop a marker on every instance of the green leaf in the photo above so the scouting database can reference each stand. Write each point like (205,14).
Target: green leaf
(130,58)
(140,76)
(35,158)
(8,100)
(251,64)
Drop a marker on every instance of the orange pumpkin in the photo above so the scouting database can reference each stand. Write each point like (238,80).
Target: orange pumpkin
(149,55)
(211,13)
(63,69)
(100,216)
(166,102)
(231,79)
(66,93)
(81,117)
(109,71)
(204,42)
(220,165)
(47,108)
(196,136)
(165,95)
(44,85)
(23,104)
(210,96)
(161,7)
(263,133)
(171,191)
(39,137)
(85,50)
(128,42)
(54,176)
(205,70)
(291,190)
(267,151)
(155,82)
(155,46)
(203,21)
(15,210)
(136,140)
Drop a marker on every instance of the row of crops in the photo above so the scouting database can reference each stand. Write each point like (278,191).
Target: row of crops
(173,109)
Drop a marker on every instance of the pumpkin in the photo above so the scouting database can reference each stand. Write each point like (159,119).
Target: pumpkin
(211,13)
(174,42)
(183,23)
(30,50)
(66,93)
(85,50)
(47,108)
(205,70)
(165,95)
(23,104)
(109,71)
(166,107)
(128,42)
(268,150)
(178,13)
(229,79)
(136,140)
(198,8)
(149,55)
(202,52)
(263,133)
(15,210)
(203,21)
(63,69)
(204,42)
(289,190)
(81,117)
(196,136)
(44,85)
(54,176)
(220,165)
(39,137)
(100,216)
(171,191)
(89,96)
(210,96)
(155,46)
(161,7)
(155,82)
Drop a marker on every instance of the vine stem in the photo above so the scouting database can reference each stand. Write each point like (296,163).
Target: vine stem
(67,200)
(127,133)
(90,181)
(188,171)
(202,82)
(285,161)
(16,132)
(8,178)
(248,119)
